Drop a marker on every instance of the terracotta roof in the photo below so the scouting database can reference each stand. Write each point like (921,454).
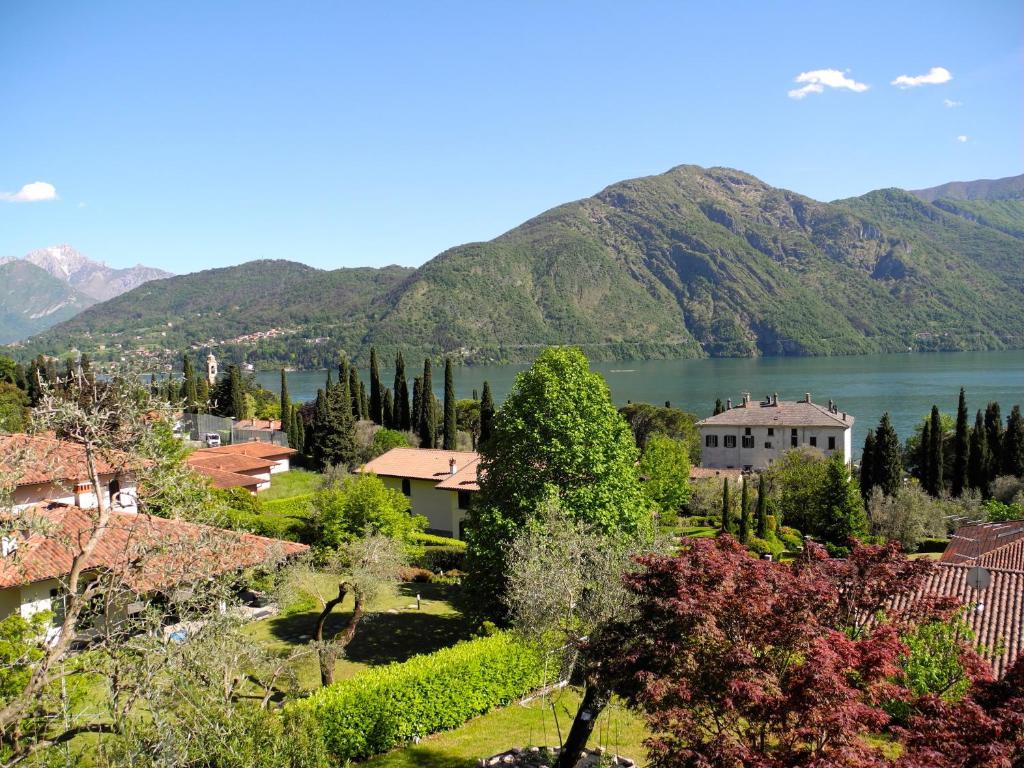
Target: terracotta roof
(253,448)
(221,479)
(35,459)
(464,479)
(148,553)
(229,462)
(785,413)
(419,463)
(703,473)
(272,425)
(1000,545)
(1000,623)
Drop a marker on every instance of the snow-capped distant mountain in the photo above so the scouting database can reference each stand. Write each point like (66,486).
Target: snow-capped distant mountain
(93,278)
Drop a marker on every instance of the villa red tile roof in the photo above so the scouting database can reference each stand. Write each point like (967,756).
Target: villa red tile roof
(465,479)
(704,473)
(255,448)
(224,480)
(784,413)
(272,425)
(999,625)
(420,463)
(36,459)
(1000,545)
(228,462)
(147,553)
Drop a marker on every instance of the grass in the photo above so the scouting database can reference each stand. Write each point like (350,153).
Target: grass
(698,531)
(392,630)
(533,724)
(296,482)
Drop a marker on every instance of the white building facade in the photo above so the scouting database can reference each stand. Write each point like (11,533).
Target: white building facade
(753,435)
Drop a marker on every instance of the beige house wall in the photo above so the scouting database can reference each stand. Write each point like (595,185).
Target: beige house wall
(440,507)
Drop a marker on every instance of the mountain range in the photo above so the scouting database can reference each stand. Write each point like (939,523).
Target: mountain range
(50,285)
(692,262)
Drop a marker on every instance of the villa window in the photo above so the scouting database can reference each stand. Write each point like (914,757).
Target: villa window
(748,441)
(465,497)
(794,437)
(406,486)
(730,441)
(814,442)
(832,443)
(768,444)
(771,431)
(711,441)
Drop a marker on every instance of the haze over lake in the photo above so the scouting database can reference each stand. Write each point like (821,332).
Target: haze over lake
(866,386)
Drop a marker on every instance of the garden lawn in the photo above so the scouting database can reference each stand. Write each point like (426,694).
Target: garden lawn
(533,724)
(390,631)
(698,531)
(295,482)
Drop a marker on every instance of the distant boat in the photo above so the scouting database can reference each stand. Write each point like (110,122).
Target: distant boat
(622,370)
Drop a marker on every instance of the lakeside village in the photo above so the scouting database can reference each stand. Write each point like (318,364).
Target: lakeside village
(196,571)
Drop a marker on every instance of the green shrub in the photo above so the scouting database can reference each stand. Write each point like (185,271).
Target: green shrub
(270,525)
(439,559)
(294,506)
(791,538)
(389,706)
(436,541)
(765,546)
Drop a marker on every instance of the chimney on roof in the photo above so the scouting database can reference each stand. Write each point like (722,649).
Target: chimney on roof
(452,468)
(84,497)
(728,404)
(831,406)
(775,398)
(746,399)
(807,397)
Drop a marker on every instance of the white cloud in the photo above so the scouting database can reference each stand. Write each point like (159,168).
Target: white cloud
(81,205)
(935,76)
(817,80)
(31,193)
(950,104)
(962,139)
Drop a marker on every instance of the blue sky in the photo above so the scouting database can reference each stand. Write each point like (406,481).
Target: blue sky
(188,135)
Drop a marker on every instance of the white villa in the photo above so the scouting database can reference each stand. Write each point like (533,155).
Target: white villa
(440,484)
(750,436)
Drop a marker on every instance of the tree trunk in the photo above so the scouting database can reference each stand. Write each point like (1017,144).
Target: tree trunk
(329,652)
(595,699)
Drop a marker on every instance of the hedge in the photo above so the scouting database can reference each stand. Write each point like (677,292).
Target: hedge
(389,706)
(440,559)
(437,541)
(293,506)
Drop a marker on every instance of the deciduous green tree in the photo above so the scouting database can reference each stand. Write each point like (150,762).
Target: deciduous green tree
(665,470)
(349,507)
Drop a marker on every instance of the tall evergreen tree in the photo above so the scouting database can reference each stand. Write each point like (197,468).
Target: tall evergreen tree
(364,402)
(727,523)
(353,391)
(428,415)
(744,513)
(486,414)
(376,391)
(449,406)
(961,447)
(867,465)
(403,413)
(299,426)
(719,408)
(842,508)
(762,507)
(237,392)
(202,394)
(1013,444)
(924,457)
(888,467)
(994,436)
(188,377)
(388,411)
(286,402)
(978,458)
(935,457)
(417,403)
(335,431)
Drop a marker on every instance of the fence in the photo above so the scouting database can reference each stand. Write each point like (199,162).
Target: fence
(198,425)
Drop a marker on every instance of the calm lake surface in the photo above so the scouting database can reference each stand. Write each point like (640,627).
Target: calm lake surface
(905,385)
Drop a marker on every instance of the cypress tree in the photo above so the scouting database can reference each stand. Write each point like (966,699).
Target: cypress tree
(300,431)
(237,393)
(188,376)
(1013,444)
(449,406)
(719,408)
(935,457)
(994,437)
(202,394)
(286,402)
(961,447)
(475,395)
(388,410)
(428,415)
(486,414)
(364,402)
(887,472)
(727,525)
(402,412)
(762,507)
(867,465)
(417,403)
(744,513)
(376,395)
(978,459)
(924,450)
(353,392)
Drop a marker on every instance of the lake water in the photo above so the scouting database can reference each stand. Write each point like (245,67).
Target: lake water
(905,385)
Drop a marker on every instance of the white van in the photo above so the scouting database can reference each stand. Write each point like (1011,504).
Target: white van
(212,440)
